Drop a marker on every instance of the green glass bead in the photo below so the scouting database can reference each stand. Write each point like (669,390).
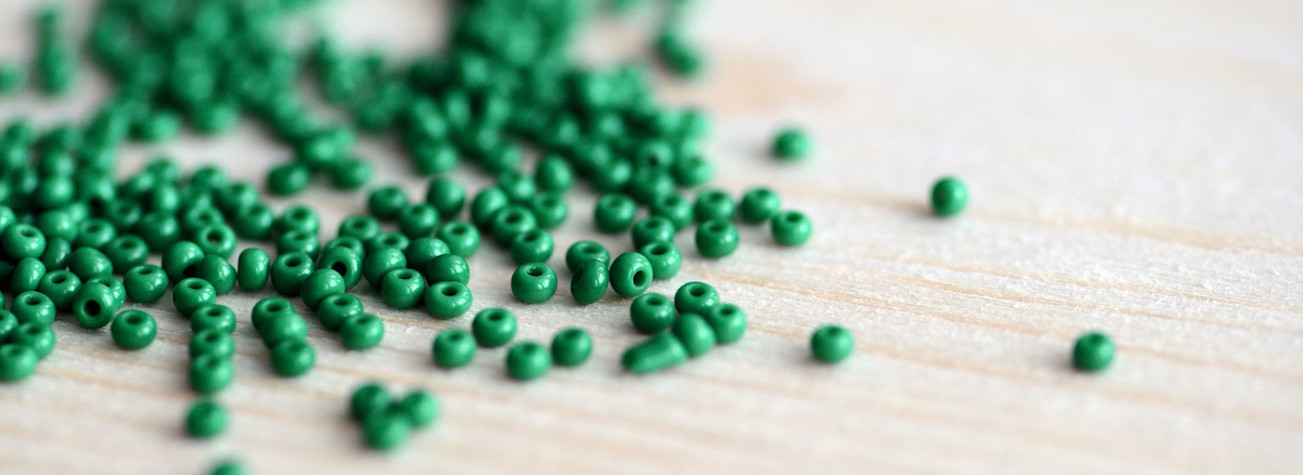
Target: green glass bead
(692,170)
(655,354)
(758,205)
(298,241)
(22,240)
(337,308)
(462,238)
(1092,352)
(347,242)
(420,408)
(652,229)
(716,239)
(695,333)
(696,297)
(713,205)
(630,274)
(298,218)
(27,275)
(268,309)
(614,212)
(145,283)
(61,286)
(126,251)
(528,360)
(453,348)
(550,209)
(8,323)
(486,204)
(345,262)
(33,306)
(254,268)
(511,221)
(214,269)
(448,268)
(205,420)
(493,327)
(210,374)
(949,196)
(531,246)
(158,126)
(553,173)
(402,288)
(583,251)
(571,347)
(652,313)
(320,284)
(58,223)
(212,342)
(57,253)
(350,174)
(385,430)
(229,467)
(359,226)
(388,241)
(292,358)
(180,259)
(447,299)
(191,293)
(283,326)
(533,282)
(418,220)
(361,332)
(289,272)
(196,218)
(367,399)
(94,306)
(17,362)
(386,202)
(728,321)
(253,221)
(518,187)
(40,337)
(423,250)
(288,179)
(159,230)
(791,228)
(831,344)
(665,259)
(133,329)
(213,317)
(648,184)
(589,281)
(612,177)
(94,233)
(791,144)
(446,195)
(379,263)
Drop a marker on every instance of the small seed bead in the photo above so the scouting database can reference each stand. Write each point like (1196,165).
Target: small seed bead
(180,258)
(33,306)
(695,333)
(695,297)
(571,347)
(675,208)
(298,241)
(347,242)
(253,221)
(205,420)
(511,221)
(95,305)
(493,327)
(288,179)
(527,361)
(831,344)
(582,251)
(553,173)
(213,317)
(791,228)
(652,313)
(385,430)
(453,348)
(418,220)
(728,321)
(447,299)
(791,144)
(486,204)
(949,196)
(298,218)
(367,399)
(145,283)
(17,362)
(379,263)
(716,239)
(337,308)
(292,358)
(269,308)
(758,205)
(533,282)
(360,226)
(614,212)
(282,327)
(191,293)
(462,238)
(713,205)
(518,187)
(126,251)
(1092,352)
(630,274)
(214,269)
(27,275)
(420,408)
(385,202)
(550,209)
(589,281)
(446,195)
(8,323)
(660,352)
(39,337)
(159,230)
(22,240)
(665,259)
(531,246)
(344,261)
(423,250)
(290,271)
(94,233)
(61,286)
(652,229)
(212,342)
(210,374)
(361,332)
(254,268)
(402,288)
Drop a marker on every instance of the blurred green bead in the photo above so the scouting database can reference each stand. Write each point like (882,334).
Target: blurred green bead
(213,342)
(652,229)
(254,267)
(33,306)
(344,261)
(126,251)
(582,251)
(675,208)
(385,430)
(791,228)
(1092,352)
(713,205)
(253,221)
(531,246)
(159,230)
(386,202)
(432,158)
(360,226)
(647,185)
(949,196)
(528,361)
(268,309)
(716,239)
(145,283)
(493,327)
(518,187)
(288,179)
(56,224)
(361,332)
(26,275)
(571,347)
(402,288)
(61,286)
(420,408)
(298,241)
(664,257)
(418,220)
(448,299)
(696,297)
(533,282)
(215,317)
(158,126)
(298,218)
(8,323)
(511,221)
(282,327)
(758,205)
(388,241)
(728,321)
(614,212)
(39,337)
(550,209)
(791,144)
(289,272)
(17,362)
(553,173)
(631,274)
(12,77)
(831,344)
(350,174)
(379,263)
(695,333)
(292,358)
(446,195)
(486,205)
(191,293)
(448,268)
(337,308)
(210,374)
(462,238)
(321,283)
(453,348)
(95,233)
(205,420)
(692,170)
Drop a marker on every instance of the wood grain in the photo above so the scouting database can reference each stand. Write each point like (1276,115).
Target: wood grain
(1136,167)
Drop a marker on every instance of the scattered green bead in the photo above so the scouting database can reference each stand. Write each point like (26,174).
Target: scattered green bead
(17,362)
(758,205)
(949,196)
(462,238)
(791,228)
(510,222)
(95,233)
(675,208)
(360,226)
(423,250)
(695,333)
(418,220)
(269,308)
(12,77)
(205,420)
(33,306)
(660,352)
(61,286)
(8,323)
(344,261)
(553,173)
(527,361)
(550,210)
(486,204)
(210,374)
(253,221)
(350,174)
(630,274)
(652,313)
(361,332)
(213,317)
(448,268)
(159,230)
(22,240)
(713,205)
(446,195)
(94,306)
(614,212)
(582,251)
(453,348)
(126,251)
(420,408)
(571,347)
(1092,352)
(292,358)
(388,241)
(728,321)
(386,202)
(218,239)
(298,218)
(254,268)
(692,170)
(214,269)
(665,259)
(493,327)
(791,144)
(696,297)
(145,283)
(281,327)
(180,258)
(290,271)
(385,430)
(288,179)
(448,299)
(716,239)
(320,284)
(338,308)
(27,275)
(228,467)
(652,229)
(191,293)
(35,335)
(402,288)
(298,241)
(379,263)
(831,344)
(368,399)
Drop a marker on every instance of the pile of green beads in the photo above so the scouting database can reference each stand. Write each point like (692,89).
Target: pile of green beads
(386,422)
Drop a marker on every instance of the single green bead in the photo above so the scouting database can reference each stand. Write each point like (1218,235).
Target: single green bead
(212,342)
(648,184)
(159,230)
(385,430)
(554,174)
(571,347)
(205,420)
(550,209)
(652,229)
(26,275)
(214,269)
(8,323)
(448,268)
(181,258)
(511,221)
(713,205)
(660,352)
(158,126)
(22,240)
(418,220)
(349,174)
(493,327)
(611,177)
(388,241)
(831,344)
(448,299)
(59,223)
(57,253)
(229,467)
(695,333)
(298,241)
(583,251)
(434,158)
(652,313)
(728,321)
(423,250)
(949,196)
(360,226)
(791,144)
(630,274)
(268,309)
(145,283)
(527,361)
(486,204)
(446,195)
(533,282)
(791,228)
(347,242)
(40,337)
(298,218)
(17,362)
(33,306)
(235,197)
(367,399)
(253,221)
(665,259)
(614,212)
(253,270)
(386,202)
(692,170)
(589,281)
(345,262)
(758,205)
(292,358)
(1092,352)
(215,317)
(379,263)
(531,246)
(696,297)
(196,218)
(95,305)
(210,373)
(95,233)
(133,329)
(453,348)
(123,214)
(290,271)
(361,332)
(54,192)
(283,326)
(337,308)
(61,286)
(126,251)
(462,238)
(518,187)
(716,239)
(402,288)
(191,293)
(420,408)
(288,179)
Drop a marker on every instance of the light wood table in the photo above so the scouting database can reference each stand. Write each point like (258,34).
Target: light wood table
(1135,167)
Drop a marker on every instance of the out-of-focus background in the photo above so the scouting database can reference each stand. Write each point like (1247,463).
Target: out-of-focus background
(1135,167)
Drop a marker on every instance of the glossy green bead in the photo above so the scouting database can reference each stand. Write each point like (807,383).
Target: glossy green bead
(649,184)
(235,196)
(448,299)
(716,239)
(359,226)
(713,205)
(493,327)
(210,374)
(614,176)
(518,187)
(692,170)
(614,212)
(420,408)
(550,209)
(695,333)
(831,344)
(350,174)
(665,259)
(212,342)
(268,309)
(145,283)
(22,240)
(510,222)
(589,281)
(61,286)
(386,202)
(8,323)
(347,242)
(17,362)
(292,358)
(57,253)
(388,241)
(298,241)
(214,269)
(660,352)
(652,313)
(345,262)
(728,321)
(159,230)
(423,250)
(446,195)
(195,219)
(462,238)
(95,305)
(1092,352)
(59,223)
(133,329)
(949,196)
(791,228)
(571,347)
(582,251)
(652,229)
(418,220)
(379,263)
(696,297)
(94,233)
(791,144)
(191,293)
(26,275)
(39,337)
(527,361)
(33,306)
(320,284)
(531,246)
(367,399)
(402,288)
(533,282)
(298,218)
(126,251)
(213,317)
(385,430)
(486,204)
(253,221)
(254,266)
(288,179)
(554,174)
(290,271)
(205,420)
(448,268)
(361,332)
(453,348)
(180,259)
(758,204)
(283,326)
(630,274)
(337,308)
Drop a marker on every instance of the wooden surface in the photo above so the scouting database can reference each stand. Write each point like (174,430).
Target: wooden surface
(1135,167)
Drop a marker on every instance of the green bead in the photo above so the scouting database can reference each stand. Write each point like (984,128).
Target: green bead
(359,226)
(361,332)
(1092,352)
(695,333)
(253,221)
(448,299)
(228,467)
(386,202)
(94,233)
(385,430)
(94,306)
(453,348)
(17,362)
(652,229)
(320,284)
(59,223)
(423,250)
(791,144)
(57,253)
(949,196)
(657,353)
(462,238)
(388,241)
(213,317)
(758,205)
(448,268)
(518,187)
(531,246)
(22,240)
(337,308)
(589,281)
(446,195)
(27,275)
(212,342)
(292,358)
(347,242)
(343,261)
(614,212)
(158,126)
(145,283)
(298,241)
(402,288)
(205,420)
(418,220)
(61,286)
(533,282)
(527,361)
(191,293)
(298,218)
(38,336)
(12,77)
(290,271)
(283,326)
(631,274)
(486,204)
(33,306)
(665,259)
(350,174)
(611,177)
(288,178)
(180,259)
(197,218)
(210,373)
(268,309)
(420,408)
(159,230)
(716,239)
(493,327)
(652,313)
(649,184)
(583,251)
(8,323)
(126,251)
(133,329)
(214,269)
(379,263)
(253,270)
(831,344)
(549,209)
(553,173)
(695,297)
(692,170)
(728,321)
(511,221)
(571,347)
(368,399)
(713,205)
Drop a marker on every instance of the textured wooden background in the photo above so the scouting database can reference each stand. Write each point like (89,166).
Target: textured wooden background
(1135,167)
